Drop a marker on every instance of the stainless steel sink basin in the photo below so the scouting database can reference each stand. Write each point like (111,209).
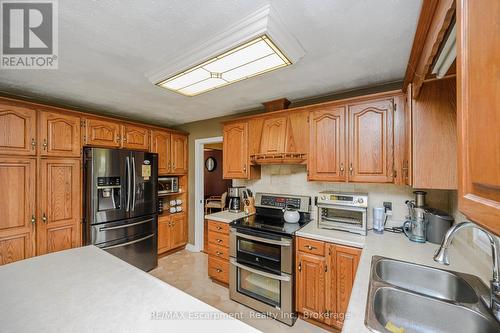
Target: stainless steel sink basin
(418,313)
(426,299)
(425,280)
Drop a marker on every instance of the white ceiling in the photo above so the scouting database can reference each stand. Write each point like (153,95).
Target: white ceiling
(106,47)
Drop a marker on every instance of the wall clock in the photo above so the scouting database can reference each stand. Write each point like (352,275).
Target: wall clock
(210,164)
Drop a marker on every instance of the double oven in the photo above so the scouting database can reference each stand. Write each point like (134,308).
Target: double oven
(261,267)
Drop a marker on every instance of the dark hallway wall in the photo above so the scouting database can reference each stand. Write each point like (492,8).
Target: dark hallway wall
(214,184)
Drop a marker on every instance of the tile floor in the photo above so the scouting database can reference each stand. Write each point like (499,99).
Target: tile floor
(188,271)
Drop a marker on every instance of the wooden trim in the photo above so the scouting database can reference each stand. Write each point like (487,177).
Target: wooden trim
(424,22)
(314,107)
(441,20)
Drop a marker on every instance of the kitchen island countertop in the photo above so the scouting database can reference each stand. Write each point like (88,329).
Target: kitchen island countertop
(89,290)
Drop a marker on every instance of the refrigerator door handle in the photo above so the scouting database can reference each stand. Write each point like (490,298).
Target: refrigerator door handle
(132,208)
(129,178)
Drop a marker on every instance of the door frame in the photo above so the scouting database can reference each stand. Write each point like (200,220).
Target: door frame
(199,190)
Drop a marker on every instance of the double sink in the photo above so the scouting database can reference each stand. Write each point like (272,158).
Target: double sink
(425,299)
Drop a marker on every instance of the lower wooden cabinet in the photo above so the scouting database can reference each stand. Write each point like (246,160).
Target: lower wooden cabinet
(172,232)
(324,278)
(218,251)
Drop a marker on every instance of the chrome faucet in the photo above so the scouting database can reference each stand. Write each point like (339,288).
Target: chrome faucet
(441,257)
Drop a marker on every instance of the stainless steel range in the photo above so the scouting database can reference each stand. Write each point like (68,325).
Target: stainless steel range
(261,251)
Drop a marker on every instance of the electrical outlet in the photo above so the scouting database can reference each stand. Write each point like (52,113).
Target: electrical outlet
(388,206)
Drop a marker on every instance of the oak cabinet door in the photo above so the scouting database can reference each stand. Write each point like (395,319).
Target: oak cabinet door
(17,130)
(327,145)
(135,137)
(178,231)
(160,144)
(17,206)
(102,133)
(235,151)
(60,205)
(344,262)
(273,135)
(478,112)
(179,153)
(59,134)
(371,141)
(310,287)
(163,234)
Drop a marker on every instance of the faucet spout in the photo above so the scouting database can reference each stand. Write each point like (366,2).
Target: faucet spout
(442,257)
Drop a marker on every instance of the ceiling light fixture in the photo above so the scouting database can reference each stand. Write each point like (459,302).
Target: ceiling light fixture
(255,45)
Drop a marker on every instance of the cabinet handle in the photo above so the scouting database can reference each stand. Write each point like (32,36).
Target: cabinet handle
(173,165)
(118,138)
(245,167)
(300,266)
(33,219)
(219,270)
(124,139)
(44,218)
(218,253)
(33,143)
(350,169)
(169,224)
(310,248)
(218,241)
(326,268)
(342,169)
(44,145)
(219,228)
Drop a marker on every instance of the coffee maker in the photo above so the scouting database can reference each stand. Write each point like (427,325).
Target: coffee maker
(235,198)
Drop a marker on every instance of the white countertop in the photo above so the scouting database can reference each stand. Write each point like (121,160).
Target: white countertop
(88,290)
(395,246)
(226,216)
(312,231)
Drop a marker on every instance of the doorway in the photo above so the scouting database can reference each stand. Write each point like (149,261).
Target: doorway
(208,184)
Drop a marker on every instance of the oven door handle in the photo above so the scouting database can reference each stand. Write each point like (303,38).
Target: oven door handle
(263,240)
(259,272)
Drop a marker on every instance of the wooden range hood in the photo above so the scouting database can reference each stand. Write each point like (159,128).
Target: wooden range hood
(283,135)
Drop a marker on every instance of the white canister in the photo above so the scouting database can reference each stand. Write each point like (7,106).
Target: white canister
(173,202)
(178,202)
(173,210)
(378,219)
(178,208)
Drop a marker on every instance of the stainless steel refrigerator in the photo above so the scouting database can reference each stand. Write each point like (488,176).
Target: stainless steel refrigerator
(120,204)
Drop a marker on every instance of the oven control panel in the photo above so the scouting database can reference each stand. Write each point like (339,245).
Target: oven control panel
(279,201)
(342,198)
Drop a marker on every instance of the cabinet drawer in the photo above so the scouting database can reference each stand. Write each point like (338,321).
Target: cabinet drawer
(218,227)
(218,239)
(218,269)
(218,251)
(311,246)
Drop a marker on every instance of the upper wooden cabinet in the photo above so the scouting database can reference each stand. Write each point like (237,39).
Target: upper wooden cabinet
(273,135)
(17,130)
(235,150)
(59,134)
(135,137)
(102,133)
(371,141)
(59,205)
(478,112)
(160,144)
(17,206)
(327,150)
(179,153)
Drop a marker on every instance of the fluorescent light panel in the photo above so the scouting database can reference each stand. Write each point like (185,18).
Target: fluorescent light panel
(253,58)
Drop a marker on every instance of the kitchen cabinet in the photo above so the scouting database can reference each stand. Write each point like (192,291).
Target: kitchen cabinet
(370,127)
(179,151)
(478,112)
(135,137)
(273,135)
(59,134)
(17,206)
(17,130)
(160,144)
(172,232)
(325,275)
(235,153)
(102,133)
(59,221)
(218,251)
(327,149)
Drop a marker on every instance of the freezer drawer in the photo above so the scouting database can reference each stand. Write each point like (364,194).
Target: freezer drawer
(112,231)
(139,251)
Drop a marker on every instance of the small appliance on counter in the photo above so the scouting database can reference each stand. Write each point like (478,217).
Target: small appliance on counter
(415,227)
(168,185)
(261,249)
(438,223)
(235,195)
(342,211)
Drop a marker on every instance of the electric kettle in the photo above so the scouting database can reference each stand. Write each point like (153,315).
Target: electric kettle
(291,214)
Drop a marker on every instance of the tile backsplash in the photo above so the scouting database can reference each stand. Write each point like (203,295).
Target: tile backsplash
(292,179)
